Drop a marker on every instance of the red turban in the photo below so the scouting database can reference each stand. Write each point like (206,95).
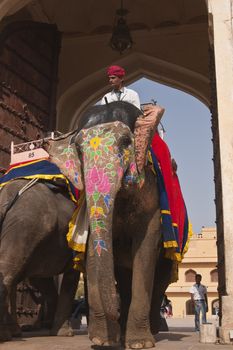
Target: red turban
(116,70)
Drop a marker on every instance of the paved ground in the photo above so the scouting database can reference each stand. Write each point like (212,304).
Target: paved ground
(181,336)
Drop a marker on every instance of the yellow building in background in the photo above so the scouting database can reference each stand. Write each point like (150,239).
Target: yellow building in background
(201,258)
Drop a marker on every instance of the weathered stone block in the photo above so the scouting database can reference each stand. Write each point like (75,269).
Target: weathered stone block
(208,333)
(225,331)
(224,335)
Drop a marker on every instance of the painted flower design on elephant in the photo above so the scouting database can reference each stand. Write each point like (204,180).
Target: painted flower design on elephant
(98,142)
(126,155)
(68,151)
(97,180)
(131,176)
(133,168)
(63,153)
(107,200)
(99,245)
(96,212)
(76,177)
(70,164)
(95,142)
(120,172)
(98,226)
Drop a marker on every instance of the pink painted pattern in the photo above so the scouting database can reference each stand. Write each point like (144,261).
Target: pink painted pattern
(70,164)
(97,180)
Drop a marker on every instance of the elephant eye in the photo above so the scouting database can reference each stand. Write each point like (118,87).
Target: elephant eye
(124,142)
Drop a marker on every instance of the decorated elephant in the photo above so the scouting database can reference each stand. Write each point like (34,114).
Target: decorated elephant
(125,238)
(34,221)
(33,245)
(124,253)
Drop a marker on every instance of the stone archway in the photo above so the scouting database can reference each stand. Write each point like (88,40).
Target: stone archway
(8,8)
(89,90)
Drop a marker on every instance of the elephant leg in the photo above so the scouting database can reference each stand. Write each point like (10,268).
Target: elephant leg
(68,289)
(145,254)
(11,268)
(102,331)
(8,275)
(47,288)
(161,282)
(15,328)
(124,285)
(86,298)
(5,333)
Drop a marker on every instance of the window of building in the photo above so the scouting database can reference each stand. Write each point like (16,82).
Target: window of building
(214,275)
(215,307)
(189,307)
(190,276)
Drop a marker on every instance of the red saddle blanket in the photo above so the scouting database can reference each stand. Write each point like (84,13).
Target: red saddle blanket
(172,186)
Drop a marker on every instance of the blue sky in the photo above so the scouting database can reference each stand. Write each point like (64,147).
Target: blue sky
(188,135)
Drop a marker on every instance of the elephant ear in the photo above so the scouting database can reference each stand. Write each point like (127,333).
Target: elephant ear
(62,152)
(145,127)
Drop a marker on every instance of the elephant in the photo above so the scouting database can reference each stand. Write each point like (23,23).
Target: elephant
(124,246)
(33,245)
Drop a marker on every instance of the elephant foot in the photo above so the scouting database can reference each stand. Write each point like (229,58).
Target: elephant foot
(64,331)
(138,334)
(104,332)
(145,340)
(99,342)
(140,344)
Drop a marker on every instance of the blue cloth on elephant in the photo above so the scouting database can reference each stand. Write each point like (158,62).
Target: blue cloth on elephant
(44,169)
(169,230)
(41,169)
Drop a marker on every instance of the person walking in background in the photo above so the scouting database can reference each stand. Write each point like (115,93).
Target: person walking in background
(166,307)
(199,298)
(119,92)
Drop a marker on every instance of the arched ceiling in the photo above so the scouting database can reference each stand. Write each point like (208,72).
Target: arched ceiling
(76,17)
(170,45)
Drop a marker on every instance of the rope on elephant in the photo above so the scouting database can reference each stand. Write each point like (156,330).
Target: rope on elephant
(27,186)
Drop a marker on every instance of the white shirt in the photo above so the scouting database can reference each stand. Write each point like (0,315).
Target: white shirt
(126,95)
(198,291)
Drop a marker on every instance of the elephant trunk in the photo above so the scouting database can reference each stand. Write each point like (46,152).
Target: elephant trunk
(100,248)
(107,151)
